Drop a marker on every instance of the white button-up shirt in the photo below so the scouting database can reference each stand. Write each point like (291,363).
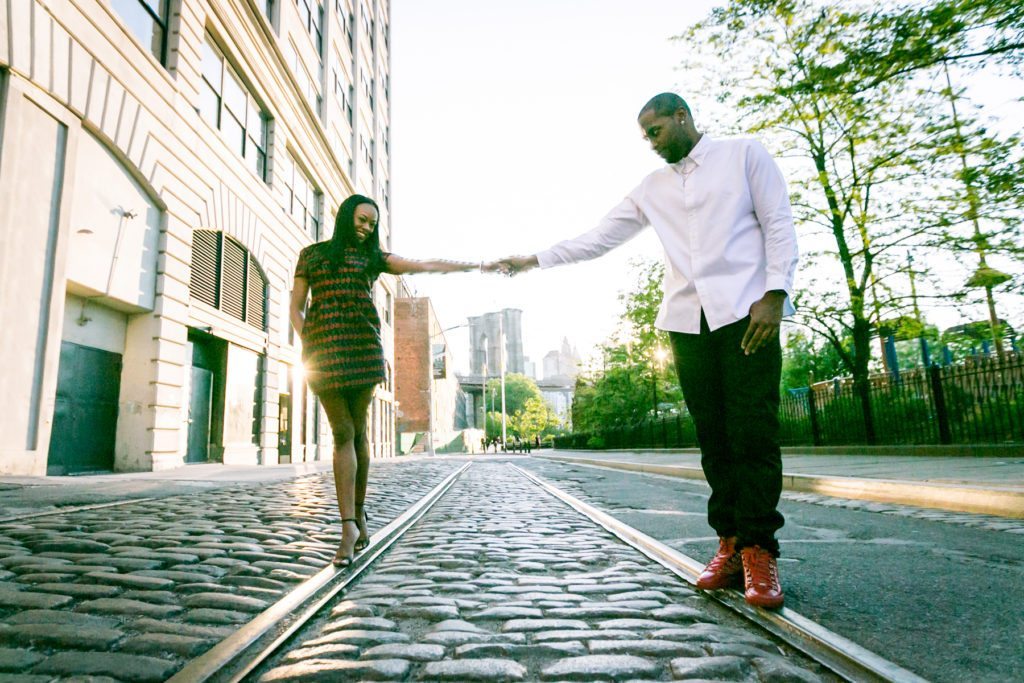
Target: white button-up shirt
(723,217)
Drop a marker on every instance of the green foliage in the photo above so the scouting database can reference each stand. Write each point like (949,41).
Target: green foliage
(535,419)
(622,391)
(518,390)
(883,167)
(806,360)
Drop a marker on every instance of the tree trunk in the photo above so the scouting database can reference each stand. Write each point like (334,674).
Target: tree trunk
(861,384)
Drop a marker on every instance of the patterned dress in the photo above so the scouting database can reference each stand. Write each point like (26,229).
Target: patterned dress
(341,346)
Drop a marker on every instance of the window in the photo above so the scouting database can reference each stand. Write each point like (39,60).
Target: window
(303,199)
(344,95)
(387,307)
(307,86)
(226,276)
(349,34)
(147,19)
(268,8)
(312,16)
(227,105)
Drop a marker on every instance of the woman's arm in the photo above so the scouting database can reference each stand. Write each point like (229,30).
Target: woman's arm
(297,307)
(396,265)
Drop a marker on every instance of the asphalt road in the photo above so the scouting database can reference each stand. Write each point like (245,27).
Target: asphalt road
(940,598)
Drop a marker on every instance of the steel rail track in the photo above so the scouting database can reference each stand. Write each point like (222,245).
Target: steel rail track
(242,652)
(836,653)
(71,509)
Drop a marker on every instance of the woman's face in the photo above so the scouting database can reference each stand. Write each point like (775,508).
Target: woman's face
(365,221)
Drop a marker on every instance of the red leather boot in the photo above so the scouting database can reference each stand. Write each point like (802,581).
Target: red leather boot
(725,569)
(761,578)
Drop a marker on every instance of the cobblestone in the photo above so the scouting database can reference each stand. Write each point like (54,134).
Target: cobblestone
(491,554)
(124,667)
(153,578)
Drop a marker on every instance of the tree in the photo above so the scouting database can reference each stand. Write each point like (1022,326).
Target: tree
(806,360)
(535,419)
(518,390)
(897,43)
(864,142)
(622,390)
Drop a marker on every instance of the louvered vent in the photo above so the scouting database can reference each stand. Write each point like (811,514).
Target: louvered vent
(232,279)
(226,276)
(256,296)
(205,266)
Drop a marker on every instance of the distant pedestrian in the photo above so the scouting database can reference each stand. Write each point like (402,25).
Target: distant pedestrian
(722,213)
(341,345)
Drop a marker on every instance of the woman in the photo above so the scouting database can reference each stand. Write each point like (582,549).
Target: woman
(341,345)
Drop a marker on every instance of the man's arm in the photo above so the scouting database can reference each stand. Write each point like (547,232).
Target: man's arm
(621,224)
(771,206)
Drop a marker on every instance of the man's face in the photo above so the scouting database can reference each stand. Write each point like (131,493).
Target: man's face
(666,134)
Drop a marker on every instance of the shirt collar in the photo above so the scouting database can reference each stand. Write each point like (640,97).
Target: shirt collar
(697,154)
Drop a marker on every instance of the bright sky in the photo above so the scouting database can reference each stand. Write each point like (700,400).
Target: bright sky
(514,127)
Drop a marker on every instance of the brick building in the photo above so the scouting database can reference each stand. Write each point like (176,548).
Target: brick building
(426,388)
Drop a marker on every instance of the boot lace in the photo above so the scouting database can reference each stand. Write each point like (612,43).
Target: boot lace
(725,557)
(762,571)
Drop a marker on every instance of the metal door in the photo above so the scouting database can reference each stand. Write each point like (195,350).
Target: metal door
(85,413)
(199,412)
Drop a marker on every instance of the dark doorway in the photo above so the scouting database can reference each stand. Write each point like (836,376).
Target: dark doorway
(200,407)
(85,412)
(284,416)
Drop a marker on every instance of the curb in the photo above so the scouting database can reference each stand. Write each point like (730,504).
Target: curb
(1012,450)
(974,499)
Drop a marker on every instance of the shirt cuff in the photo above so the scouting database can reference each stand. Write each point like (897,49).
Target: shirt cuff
(778,282)
(547,259)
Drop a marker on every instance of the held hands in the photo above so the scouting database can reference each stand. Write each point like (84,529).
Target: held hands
(510,265)
(765,320)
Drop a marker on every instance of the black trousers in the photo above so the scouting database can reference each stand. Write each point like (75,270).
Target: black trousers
(734,401)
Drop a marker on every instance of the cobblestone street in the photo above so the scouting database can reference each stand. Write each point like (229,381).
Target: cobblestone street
(134,591)
(502,582)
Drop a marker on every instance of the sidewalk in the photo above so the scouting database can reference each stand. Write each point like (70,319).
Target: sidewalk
(992,486)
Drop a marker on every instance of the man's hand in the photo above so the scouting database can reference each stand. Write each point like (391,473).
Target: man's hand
(512,265)
(765,319)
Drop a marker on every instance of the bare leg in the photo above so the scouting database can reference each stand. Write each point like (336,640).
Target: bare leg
(336,407)
(359,405)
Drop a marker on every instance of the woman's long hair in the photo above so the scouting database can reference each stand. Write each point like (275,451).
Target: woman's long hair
(345,232)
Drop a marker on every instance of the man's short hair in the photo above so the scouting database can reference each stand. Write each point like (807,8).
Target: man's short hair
(665,104)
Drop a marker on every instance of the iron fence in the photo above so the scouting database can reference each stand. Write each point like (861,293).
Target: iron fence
(978,401)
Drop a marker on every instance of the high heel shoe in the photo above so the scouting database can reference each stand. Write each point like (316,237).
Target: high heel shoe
(364,534)
(344,560)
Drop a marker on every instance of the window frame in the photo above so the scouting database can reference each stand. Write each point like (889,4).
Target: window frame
(162,22)
(260,165)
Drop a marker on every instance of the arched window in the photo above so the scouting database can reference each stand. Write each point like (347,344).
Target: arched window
(226,276)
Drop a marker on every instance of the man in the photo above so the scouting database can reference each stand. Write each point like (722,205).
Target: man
(721,210)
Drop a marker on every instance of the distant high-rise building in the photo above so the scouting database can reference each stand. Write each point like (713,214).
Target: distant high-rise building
(563,363)
(485,337)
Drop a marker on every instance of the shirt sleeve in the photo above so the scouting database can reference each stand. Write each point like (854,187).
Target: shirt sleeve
(378,265)
(771,206)
(622,224)
(302,265)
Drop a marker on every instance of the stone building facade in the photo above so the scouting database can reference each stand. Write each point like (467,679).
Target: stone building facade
(159,172)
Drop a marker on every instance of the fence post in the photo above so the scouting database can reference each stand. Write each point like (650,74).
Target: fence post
(941,414)
(812,411)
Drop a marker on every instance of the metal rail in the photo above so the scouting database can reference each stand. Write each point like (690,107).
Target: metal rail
(838,654)
(256,641)
(71,509)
